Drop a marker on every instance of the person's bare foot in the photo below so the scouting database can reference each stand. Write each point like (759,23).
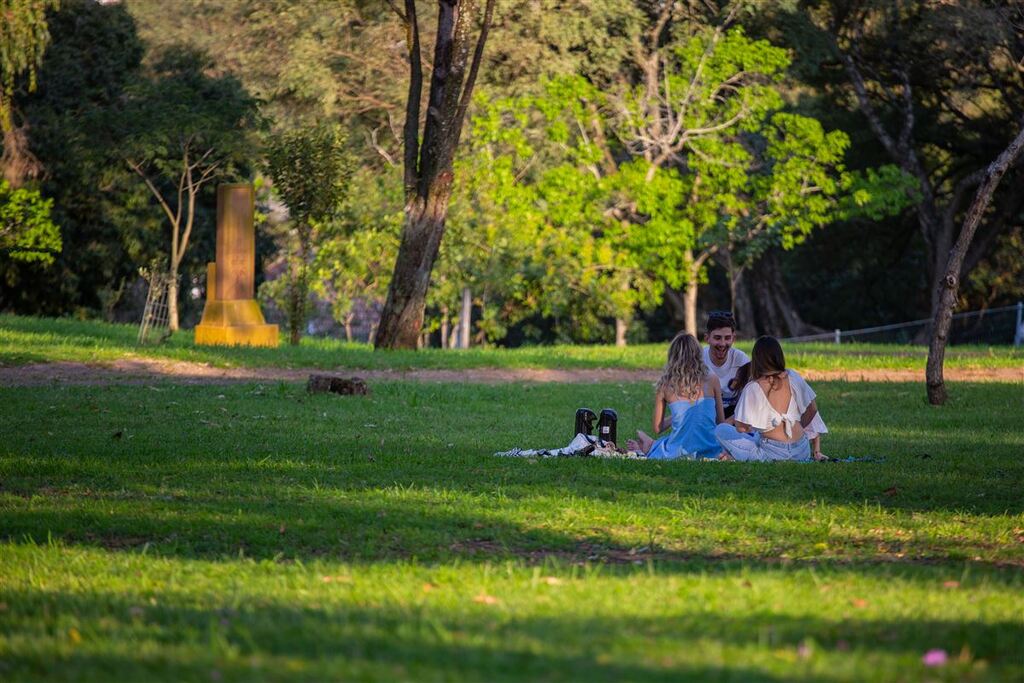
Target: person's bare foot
(724,456)
(644,441)
(633,445)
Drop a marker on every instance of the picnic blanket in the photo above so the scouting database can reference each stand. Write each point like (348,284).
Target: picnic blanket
(582,446)
(589,446)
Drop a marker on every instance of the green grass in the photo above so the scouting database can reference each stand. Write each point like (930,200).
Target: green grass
(32,340)
(252,532)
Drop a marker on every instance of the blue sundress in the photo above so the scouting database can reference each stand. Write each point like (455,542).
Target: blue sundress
(693,432)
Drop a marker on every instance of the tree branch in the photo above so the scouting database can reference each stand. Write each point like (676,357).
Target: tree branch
(411,131)
(137,168)
(478,53)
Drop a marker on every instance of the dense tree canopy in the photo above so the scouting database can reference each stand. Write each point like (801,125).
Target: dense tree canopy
(626,162)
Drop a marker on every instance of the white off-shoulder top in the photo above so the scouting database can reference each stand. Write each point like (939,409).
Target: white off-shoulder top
(755,410)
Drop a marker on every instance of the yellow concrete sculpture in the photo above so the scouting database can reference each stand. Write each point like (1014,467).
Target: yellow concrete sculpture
(232,316)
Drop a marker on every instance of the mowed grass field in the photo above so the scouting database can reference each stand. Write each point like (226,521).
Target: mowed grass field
(252,532)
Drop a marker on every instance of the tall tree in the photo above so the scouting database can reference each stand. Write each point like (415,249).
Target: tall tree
(936,82)
(950,283)
(179,132)
(310,168)
(94,51)
(428,164)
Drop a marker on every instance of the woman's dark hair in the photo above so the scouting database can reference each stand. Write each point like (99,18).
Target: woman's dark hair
(767,359)
(741,378)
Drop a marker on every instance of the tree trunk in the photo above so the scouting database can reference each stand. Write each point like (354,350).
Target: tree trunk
(743,306)
(294,308)
(172,298)
(949,286)
(676,307)
(690,295)
(621,327)
(402,317)
(348,327)
(465,318)
(428,164)
(777,313)
(622,323)
(444,327)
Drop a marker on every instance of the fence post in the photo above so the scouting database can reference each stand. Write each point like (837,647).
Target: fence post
(839,337)
(1018,332)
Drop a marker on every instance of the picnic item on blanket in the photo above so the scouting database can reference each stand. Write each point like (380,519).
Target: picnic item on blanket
(607,426)
(582,446)
(585,418)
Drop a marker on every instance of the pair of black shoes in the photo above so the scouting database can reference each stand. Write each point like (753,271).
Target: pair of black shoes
(606,424)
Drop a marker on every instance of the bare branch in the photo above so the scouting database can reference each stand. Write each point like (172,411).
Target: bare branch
(371,139)
(908,111)
(397,11)
(139,171)
(478,53)
(411,132)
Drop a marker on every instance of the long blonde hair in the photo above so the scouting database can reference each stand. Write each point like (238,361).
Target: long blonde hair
(685,371)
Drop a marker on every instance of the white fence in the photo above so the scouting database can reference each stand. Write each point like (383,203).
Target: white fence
(1003,325)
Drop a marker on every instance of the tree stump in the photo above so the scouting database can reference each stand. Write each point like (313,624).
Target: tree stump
(346,386)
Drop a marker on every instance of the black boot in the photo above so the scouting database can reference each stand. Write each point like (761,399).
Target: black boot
(607,426)
(585,418)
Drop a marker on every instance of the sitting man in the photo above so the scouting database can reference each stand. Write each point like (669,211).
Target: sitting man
(721,358)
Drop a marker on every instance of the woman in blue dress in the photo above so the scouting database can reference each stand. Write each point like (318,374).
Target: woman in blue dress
(693,399)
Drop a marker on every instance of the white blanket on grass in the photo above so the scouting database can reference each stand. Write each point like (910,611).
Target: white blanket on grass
(582,446)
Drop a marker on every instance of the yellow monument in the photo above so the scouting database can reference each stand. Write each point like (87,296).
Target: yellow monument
(232,316)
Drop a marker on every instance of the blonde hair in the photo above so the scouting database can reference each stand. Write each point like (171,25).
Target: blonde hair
(685,371)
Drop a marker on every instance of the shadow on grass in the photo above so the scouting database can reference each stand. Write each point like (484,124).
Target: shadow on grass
(428,641)
(383,530)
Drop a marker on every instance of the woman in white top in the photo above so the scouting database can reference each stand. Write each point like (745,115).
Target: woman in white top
(772,411)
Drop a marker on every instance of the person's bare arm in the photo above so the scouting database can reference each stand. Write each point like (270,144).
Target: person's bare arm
(812,410)
(659,411)
(716,391)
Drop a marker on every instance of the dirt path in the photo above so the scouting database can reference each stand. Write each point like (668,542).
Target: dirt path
(136,371)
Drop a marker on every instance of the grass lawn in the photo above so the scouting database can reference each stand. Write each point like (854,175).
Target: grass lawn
(252,532)
(31,340)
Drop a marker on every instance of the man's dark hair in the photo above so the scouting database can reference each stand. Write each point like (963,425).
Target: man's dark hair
(718,319)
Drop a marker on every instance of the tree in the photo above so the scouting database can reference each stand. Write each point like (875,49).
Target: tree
(93,52)
(735,178)
(356,251)
(428,164)
(24,36)
(936,83)
(310,168)
(950,283)
(27,232)
(179,131)
(531,237)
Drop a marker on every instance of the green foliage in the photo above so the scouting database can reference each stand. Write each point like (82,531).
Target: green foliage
(356,251)
(528,231)
(23,40)
(310,169)
(93,53)
(629,216)
(27,231)
(1000,276)
(181,110)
